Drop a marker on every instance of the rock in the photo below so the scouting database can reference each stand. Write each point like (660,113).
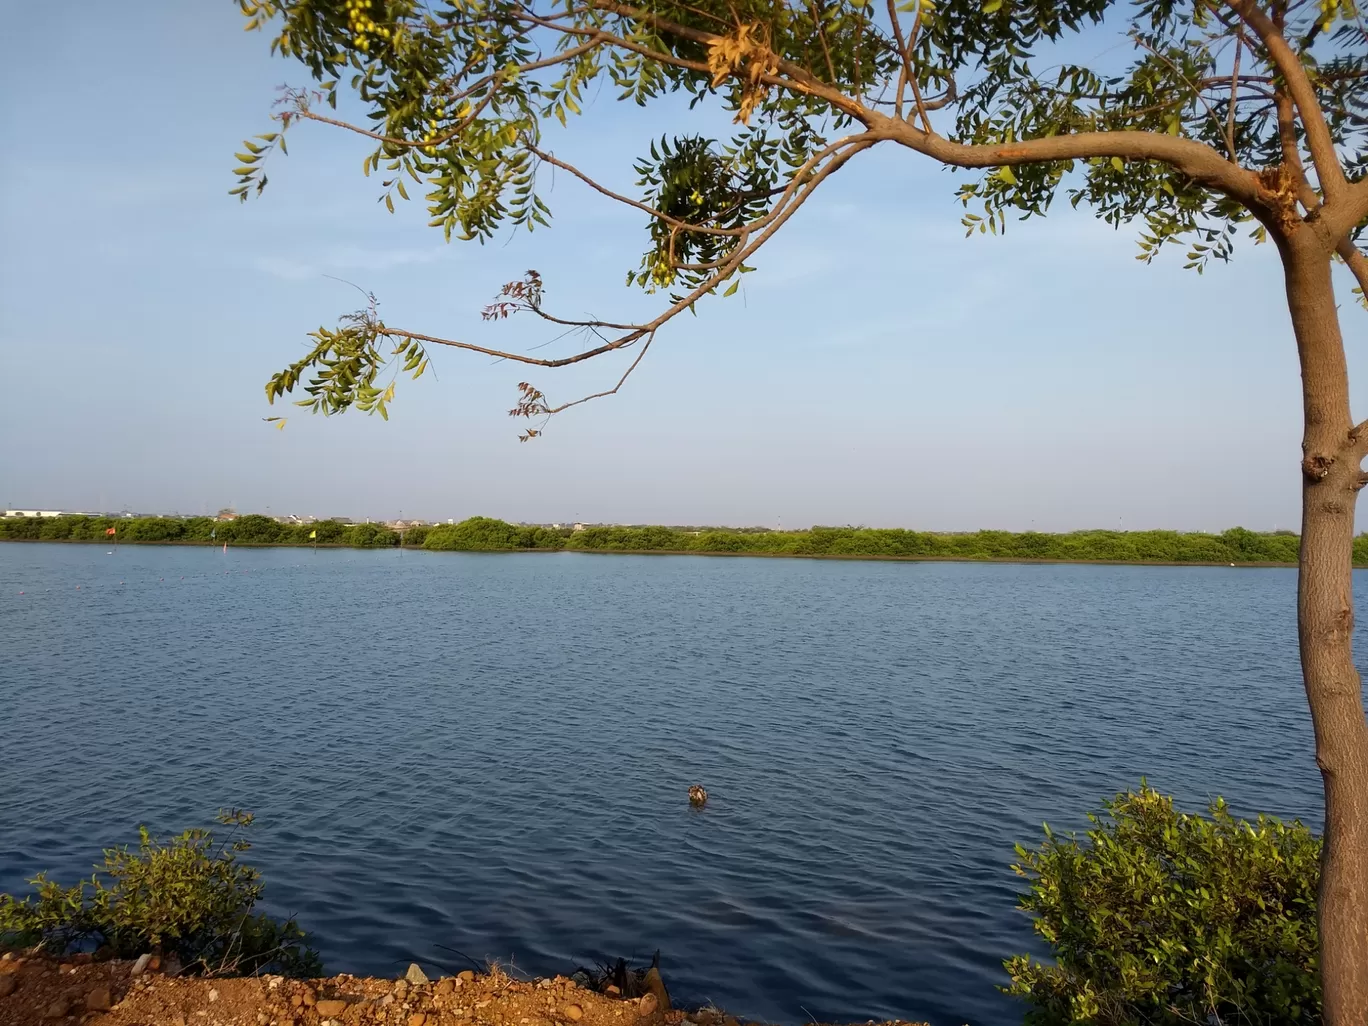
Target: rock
(647,1005)
(66,968)
(417,1019)
(730,1020)
(213,995)
(329,1007)
(415,974)
(465,975)
(83,958)
(574,1013)
(58,1009)
(401,989)
(140,966)
(172,967)
(154,963)
(655,986)
(705,1017)
(309,997)
(99,1000)
(613,990)
(387,1000)
(7,984)
(444,987)
(8,956)
(104,953)
(262,1019)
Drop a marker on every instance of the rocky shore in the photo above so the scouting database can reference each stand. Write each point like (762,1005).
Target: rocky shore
(41,991)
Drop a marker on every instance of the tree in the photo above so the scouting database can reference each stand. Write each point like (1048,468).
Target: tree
(1225,118)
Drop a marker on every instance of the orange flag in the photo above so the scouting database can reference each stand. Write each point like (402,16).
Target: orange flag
(109,530)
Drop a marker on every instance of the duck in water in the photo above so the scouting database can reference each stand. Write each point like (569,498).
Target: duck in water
(697,796)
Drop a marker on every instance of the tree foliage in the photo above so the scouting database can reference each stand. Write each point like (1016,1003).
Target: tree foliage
(1215,119)
(188,898)
(1161,917)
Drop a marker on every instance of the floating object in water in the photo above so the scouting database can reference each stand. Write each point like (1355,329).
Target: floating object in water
(697,796)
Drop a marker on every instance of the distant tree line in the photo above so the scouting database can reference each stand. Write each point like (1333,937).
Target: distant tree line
(486,534)
(1237,545)
(250,529)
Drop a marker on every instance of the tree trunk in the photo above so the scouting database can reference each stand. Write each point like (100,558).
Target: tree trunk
(1325,624)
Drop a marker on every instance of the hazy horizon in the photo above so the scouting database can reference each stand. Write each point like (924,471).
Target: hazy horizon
(878,368)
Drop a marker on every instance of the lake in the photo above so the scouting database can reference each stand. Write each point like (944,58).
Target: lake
(490,754)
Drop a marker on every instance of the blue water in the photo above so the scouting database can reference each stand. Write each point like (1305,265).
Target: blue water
(490,753)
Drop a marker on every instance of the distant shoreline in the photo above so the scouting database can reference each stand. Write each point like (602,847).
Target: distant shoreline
(853,557)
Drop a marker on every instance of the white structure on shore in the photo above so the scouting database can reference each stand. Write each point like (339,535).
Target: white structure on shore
(33,513)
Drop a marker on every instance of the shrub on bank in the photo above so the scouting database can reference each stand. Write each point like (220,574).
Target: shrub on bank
(189,898)
(1160,917)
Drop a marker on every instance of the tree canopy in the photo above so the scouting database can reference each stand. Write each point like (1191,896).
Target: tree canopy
(1217,119)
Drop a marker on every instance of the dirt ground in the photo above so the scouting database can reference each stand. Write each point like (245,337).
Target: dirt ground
(38,991)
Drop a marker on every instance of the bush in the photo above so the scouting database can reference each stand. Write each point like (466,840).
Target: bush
(1168,918)
(189,898)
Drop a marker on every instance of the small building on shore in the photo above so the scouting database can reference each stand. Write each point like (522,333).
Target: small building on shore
(34,513)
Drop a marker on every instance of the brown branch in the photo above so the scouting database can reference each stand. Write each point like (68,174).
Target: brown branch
(905,72)
(1318,139)
(1357,263)
(612,391)
(633,333)
(1234,98)
(1195,159)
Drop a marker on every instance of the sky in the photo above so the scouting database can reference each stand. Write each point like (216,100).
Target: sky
(878,368)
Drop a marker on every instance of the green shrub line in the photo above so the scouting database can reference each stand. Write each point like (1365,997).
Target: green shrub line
(1154,917)
(486,534)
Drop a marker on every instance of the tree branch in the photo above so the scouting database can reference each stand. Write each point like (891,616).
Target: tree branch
(1318,139)
(1195,159)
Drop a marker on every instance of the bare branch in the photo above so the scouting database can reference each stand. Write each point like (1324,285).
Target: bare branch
(612,391)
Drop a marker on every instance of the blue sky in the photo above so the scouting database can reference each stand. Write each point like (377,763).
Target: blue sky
(878,368)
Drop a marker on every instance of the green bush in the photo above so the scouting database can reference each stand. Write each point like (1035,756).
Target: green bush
(189,898)
(1165,918)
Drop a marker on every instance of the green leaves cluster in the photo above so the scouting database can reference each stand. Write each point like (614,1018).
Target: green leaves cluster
(1161,917)
(347,361)
(188,898)
(458,96)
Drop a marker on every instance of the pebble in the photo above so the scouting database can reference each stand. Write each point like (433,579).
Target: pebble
(329,1007)
(417,1019)
(444,987)
(7,983)
(140,966)
(309,997)
(99,1000)
(465,976)
(647,1005)
(387,1000)
(415,974)
(58,1009)
(574,1012)
(213,995)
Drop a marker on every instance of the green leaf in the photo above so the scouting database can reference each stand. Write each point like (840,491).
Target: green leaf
(734,286)
(1006,174)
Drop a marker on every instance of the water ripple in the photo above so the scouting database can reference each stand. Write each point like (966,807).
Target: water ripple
(490,753)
